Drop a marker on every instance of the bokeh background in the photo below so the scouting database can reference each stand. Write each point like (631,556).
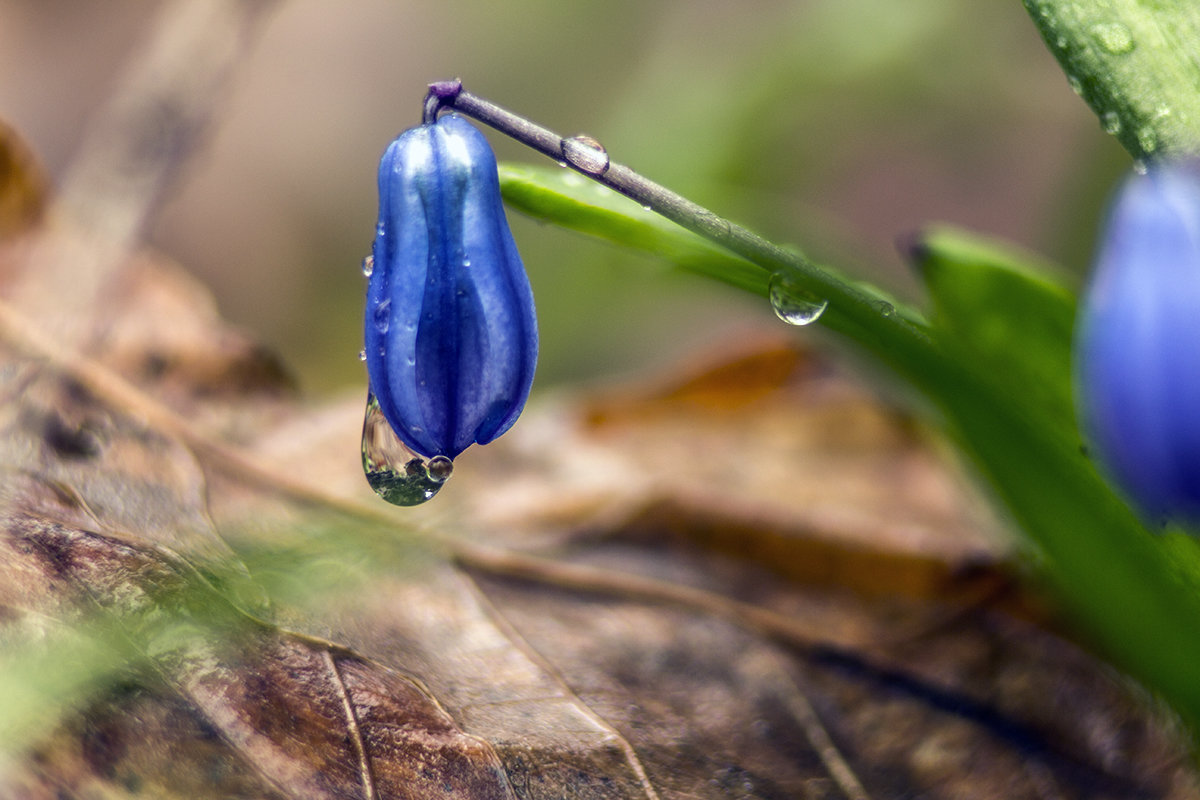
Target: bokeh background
(834,125)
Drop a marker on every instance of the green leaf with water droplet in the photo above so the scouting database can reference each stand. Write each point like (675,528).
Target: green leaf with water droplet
(1002,307)
(1135,63)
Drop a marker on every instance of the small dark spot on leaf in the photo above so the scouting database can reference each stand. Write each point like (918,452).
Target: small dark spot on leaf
(69,441)
(76,391)
(154,365)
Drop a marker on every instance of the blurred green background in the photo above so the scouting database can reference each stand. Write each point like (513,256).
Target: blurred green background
(836,125)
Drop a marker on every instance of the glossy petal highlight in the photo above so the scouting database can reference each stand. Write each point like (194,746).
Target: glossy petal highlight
(450,332)
(1138,344)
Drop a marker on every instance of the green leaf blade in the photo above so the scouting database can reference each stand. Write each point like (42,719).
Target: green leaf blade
(1004,309)
(1136,63)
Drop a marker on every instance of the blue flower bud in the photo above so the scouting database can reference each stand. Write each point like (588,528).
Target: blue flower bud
(1138,344)
(450,333)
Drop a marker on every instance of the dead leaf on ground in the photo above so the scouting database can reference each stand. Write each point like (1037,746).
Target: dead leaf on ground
(638,651)
(750,579)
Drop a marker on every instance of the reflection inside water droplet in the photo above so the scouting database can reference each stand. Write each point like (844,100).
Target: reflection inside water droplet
(396,473)
(794,304)
(585,153)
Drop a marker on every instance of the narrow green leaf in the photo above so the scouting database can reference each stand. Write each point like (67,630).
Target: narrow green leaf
(1136,63)
(1122,585)
(1002,308)
(44,673)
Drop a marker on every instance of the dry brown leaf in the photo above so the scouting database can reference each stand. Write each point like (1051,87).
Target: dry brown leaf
(747,580)
(637,653)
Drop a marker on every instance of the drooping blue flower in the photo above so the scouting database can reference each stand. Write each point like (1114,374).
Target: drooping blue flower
(450,332)
(1138,344)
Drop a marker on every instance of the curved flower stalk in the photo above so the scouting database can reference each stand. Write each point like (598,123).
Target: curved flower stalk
(450,332)
(1138,343)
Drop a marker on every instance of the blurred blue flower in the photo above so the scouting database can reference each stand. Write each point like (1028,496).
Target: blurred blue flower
(450,332)
(1138,344)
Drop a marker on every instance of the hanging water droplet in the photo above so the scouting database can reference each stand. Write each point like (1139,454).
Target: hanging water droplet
(368,265)
(383,315)
(794,304)
(396,473)
(362,354)
(1076,84)
(440,469)
(1114,37)
(1111,122)
(585,153)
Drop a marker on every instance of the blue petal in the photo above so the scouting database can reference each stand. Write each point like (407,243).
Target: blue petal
(450,331)
(1139,344)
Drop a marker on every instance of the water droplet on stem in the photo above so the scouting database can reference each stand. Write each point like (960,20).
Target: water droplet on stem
(794,304)
(585,153)
(368,266)
(395,472)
